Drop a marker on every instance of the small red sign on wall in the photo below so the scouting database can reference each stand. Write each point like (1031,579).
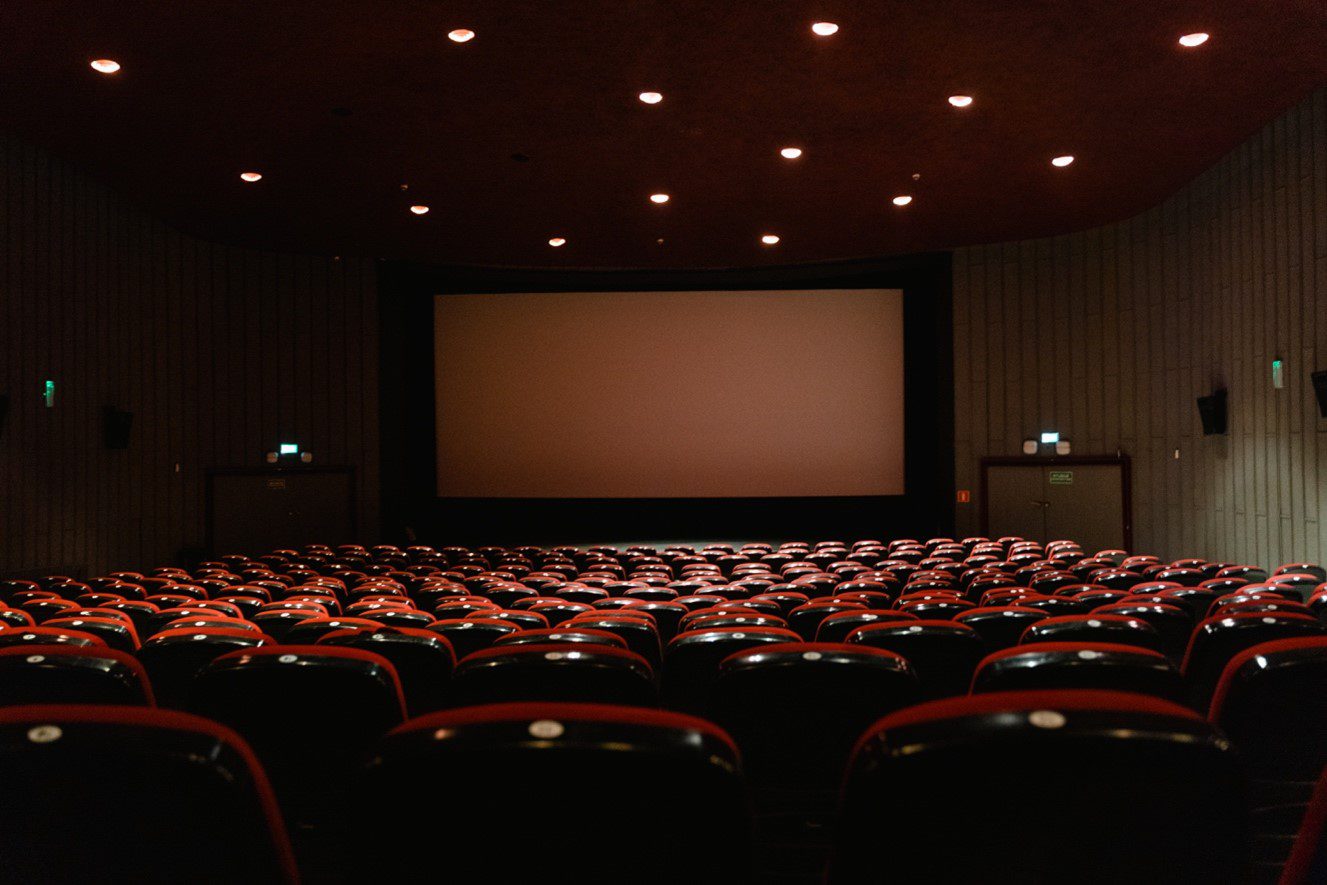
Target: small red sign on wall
(964,496)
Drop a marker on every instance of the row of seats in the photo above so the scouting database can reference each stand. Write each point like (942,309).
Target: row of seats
(1059,786)
(794,651)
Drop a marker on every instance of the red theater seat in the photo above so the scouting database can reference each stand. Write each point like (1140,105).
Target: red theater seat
(1114,629)
(1094,665)
(1271,701)
(555,672)
(585,793)
(691,660)
(129,794)
(942,653)
(310,712)
(71,674)
(1136,789)
(172,658)
(1217,640)
(1307,864)
(469,635)
(424,661)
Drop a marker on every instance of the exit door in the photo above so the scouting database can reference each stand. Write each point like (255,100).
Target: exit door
(1082,499)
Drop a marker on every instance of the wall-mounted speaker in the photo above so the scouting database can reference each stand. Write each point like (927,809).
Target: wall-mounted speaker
(116,425)
(1212,411)
(1320,391)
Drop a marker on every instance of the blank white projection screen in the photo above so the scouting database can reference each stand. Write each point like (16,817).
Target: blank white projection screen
(670,394)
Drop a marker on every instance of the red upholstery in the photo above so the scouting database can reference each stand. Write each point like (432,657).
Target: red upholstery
(1041,647)
(538,648)
(1300,867)
(520,712)
(230,632)
(608,639)
(156,718)
(1234,665)
(823,647)
(763,631)
(57,631)
(78,651)
(1027,701)
(1242,616)
(321,651)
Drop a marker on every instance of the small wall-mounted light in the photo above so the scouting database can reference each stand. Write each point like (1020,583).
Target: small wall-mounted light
(1062,447)
(48,394)
(1029,447)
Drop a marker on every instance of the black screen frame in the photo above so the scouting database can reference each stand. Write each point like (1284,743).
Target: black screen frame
(411,509)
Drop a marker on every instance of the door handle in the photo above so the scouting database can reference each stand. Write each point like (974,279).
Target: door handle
(1036,503)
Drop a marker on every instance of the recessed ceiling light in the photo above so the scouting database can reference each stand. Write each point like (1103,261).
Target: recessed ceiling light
(824,29)
(105,65)
(651,97)
(902,200)
(461,35)
(1062,161)
(419,209)
(658,198)
(791,153)
(960,101)
(251,177)
(769,239)
(1192,40)
(557,241)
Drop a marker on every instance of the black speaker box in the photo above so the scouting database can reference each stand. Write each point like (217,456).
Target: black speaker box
(1320,391)
(1212,411)
(117,427)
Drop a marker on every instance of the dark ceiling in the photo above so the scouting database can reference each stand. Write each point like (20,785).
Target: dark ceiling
(533,129)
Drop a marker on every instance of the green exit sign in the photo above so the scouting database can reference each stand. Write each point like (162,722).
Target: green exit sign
(1062,477)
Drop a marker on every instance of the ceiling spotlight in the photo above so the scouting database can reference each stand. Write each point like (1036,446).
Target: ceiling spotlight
(902,200)
(658,198)
(769,239)
(461,35)
(251,177)
(960,101)
(418,209)
(651,97)
(1062,161)
(105,66)
(557,241)
(790,153)
(1192,40)
(824,29)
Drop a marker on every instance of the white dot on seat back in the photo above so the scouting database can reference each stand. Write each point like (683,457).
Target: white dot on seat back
(200,636)
(553,656)
(1089,655)
(29,635)
(739,636)
(1046,719)
(1094,623)
(35,659)
(811,655)
(44,734)
(288,659)
(546,729)
(1269,620)
(915,629)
